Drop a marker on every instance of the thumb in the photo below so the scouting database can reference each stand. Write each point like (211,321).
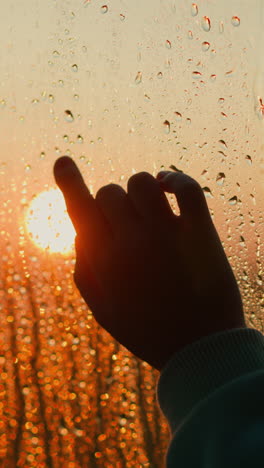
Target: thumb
(189,195)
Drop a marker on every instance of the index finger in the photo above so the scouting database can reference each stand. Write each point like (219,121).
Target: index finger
(81,206)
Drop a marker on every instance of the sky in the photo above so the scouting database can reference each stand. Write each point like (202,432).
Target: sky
(98,84)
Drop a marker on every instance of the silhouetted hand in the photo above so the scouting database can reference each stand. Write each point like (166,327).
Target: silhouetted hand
(155,281)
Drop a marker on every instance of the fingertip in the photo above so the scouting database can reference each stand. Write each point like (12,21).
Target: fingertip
(160,176)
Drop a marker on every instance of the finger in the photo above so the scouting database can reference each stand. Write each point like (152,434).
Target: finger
(117,209)
(189,195)
(148,198)
(84,277)
(83,211)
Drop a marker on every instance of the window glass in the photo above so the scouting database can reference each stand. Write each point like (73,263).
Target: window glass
(120,87)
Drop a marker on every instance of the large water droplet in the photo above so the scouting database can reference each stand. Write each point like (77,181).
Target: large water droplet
(79,139)
(160,75)
(235,21)
(207,192)
(194,9)
(249,159)
(206,23)
(223,144)
(74,67)
(104,9)
(166,125)
(196,75)
(138,78)
(220,179)
(68,116)
(178,116)
(233,200)
(205,46)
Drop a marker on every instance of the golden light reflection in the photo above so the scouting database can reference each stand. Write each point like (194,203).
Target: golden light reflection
(48,223)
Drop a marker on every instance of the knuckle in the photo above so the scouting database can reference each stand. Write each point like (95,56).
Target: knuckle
(107,191)
(139,179)
(189,184)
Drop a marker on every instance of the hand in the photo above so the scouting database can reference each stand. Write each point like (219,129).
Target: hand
(155,281)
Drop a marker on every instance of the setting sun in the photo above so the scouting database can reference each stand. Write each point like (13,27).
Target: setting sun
(48,223)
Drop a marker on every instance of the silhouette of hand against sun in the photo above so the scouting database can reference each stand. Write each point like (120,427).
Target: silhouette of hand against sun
(154,280)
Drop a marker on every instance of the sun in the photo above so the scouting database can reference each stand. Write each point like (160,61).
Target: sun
(48,223)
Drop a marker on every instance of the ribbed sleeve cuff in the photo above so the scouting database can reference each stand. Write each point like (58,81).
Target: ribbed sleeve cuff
(199,369)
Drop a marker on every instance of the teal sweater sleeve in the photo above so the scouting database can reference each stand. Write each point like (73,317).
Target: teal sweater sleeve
(212,394)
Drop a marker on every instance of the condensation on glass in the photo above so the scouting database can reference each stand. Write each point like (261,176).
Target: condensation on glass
(120,87)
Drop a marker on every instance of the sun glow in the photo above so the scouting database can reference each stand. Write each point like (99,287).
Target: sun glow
(48,223)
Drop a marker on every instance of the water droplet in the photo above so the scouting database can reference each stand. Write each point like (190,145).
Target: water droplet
(253,198)
(190,35)
(104,9)
(79,139)
(205,46)
(220,179)
(242,241)
(28,168)
(221,101)
(3,103)
(196,75)
(213,78)
(35,101)
(235,21)
(207,192)
(189,121)
(55,54)
(166,125)
(51,98)
(223,143)
(230,73)
(174,168)
(138,78)
(221,27)
(168,44)
(42,155)
(68,116)
(206,23)
(233,200)
(160,75)
(178,116)
(74,67)
(223,115)
(76,97)
(66,138)
(249,159)
(122,17)
(61,83)
(194,9)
